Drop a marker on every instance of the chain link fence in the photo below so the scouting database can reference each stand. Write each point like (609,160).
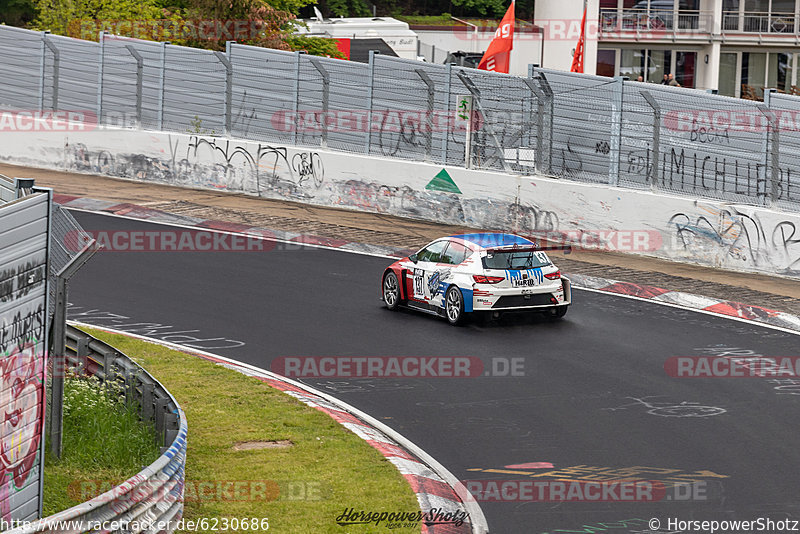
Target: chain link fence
(553,123)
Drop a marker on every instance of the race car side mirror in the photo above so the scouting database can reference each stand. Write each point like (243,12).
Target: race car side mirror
(413,258)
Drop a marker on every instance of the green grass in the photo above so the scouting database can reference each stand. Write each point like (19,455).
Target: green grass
(104,443)
(326,470)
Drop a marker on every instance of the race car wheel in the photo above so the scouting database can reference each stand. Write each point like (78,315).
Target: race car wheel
(391,291)
(454,305)
(557,312)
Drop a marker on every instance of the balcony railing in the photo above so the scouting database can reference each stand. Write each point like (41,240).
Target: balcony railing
(758,22)
(654,23)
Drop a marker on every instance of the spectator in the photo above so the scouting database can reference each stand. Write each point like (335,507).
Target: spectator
(665,81)
(672,81)
(640,78)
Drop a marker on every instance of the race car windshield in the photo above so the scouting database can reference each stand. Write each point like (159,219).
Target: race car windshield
(515,260)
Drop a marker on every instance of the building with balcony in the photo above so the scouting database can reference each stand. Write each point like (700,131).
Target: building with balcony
(737,47)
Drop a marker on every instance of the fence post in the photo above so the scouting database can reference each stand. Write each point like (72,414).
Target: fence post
(56,64)
(370,98)
(539,94)
(431,96)
(616,129)
(100,69)
(228,89)
(476,99)
(446,135)
(653,175)
(139,72)
(547,103)
(296,102)
(59,368)
(161,85)
(326,87)
(42,63)
(772,155)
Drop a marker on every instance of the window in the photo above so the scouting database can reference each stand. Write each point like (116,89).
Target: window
(606,61)
(727,74)
(432,252)
(515,260)
(685,64)
(456,253)
(631,63)
(779,71)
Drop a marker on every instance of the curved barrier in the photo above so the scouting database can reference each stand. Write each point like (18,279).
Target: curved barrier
(151,500)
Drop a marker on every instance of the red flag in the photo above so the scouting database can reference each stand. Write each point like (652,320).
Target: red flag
(498,55)
(577,59)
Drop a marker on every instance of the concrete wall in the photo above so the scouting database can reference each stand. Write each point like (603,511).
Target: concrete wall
(678,228)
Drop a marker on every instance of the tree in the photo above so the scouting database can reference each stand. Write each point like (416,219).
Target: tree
(482,7)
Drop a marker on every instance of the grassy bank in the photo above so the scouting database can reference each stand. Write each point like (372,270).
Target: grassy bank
(313,468)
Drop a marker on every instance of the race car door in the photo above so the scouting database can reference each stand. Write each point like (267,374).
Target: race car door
(427,259)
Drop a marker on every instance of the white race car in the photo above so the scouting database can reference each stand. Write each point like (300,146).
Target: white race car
(489,272)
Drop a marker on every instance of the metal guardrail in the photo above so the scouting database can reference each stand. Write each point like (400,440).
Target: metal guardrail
(156,493)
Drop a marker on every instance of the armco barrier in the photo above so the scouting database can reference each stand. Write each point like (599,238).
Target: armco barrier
(156,493)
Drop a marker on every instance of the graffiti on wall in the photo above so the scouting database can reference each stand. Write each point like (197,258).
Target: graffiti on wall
(739,239)
(22,334)
(210,162)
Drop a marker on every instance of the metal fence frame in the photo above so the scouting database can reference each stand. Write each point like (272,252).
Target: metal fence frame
(553,123)
(154,494)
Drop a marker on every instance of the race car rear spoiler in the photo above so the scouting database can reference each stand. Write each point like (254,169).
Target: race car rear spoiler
(533,248)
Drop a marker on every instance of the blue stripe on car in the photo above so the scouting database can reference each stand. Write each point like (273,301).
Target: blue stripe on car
(467,294)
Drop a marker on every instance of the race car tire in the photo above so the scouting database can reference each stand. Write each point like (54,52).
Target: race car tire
(557,312)
(391,290)
(454,306)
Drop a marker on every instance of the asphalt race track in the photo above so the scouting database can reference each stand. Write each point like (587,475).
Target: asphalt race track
(594,392)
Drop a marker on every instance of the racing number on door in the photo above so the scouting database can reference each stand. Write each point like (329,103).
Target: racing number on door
(419,284)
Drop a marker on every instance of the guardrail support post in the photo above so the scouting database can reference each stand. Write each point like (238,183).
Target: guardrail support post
(161,405)
(147,401)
